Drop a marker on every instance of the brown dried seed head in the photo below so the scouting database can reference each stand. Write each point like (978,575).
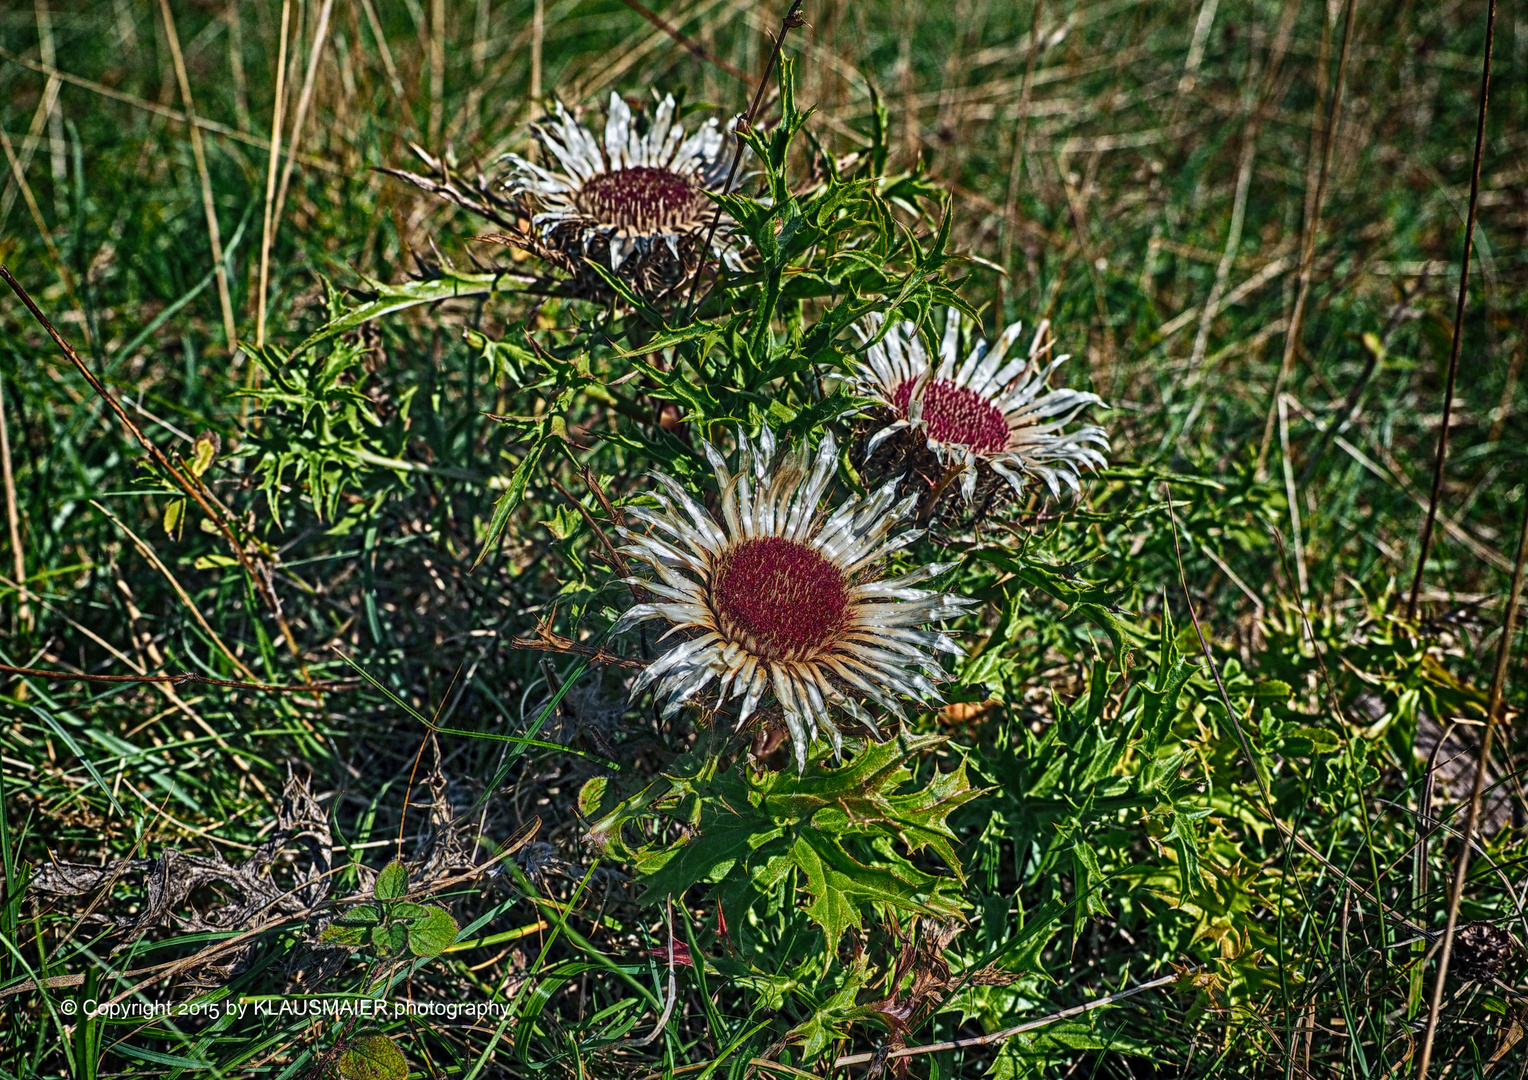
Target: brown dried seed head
(1481,951)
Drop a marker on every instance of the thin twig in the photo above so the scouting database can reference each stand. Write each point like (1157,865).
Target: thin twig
(13,521)
(278,118)
(1453,351)
(546,641)
(1461,868)
(1029,1025)
(1308,242)
(179,679)
(303,101)
(695,48)
(157,455)
(199,153)
(792,19)
(617,563)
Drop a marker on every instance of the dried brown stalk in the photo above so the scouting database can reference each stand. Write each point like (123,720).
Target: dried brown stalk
(695,48)
(1453,351)
(261,581)
(199,153)
(304,100)
(13,521)
(1028,1025)
(547,641)
(1461,868)
(180,679)
(278,118)
(793,18)
(1308,240)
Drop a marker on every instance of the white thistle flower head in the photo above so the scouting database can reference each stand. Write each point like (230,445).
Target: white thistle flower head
(626,193)
(785,597)
(986,410)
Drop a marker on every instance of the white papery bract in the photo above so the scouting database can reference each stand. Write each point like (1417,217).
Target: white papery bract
(988,409)
(627,190)
(784,598)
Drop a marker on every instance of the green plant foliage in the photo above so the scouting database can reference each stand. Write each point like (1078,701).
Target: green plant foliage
(393,925)
(392,882)
(1188,800)
(371,1057)
(833,829)
(431,932)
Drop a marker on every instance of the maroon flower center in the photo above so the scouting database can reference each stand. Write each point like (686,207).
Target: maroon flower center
(640,198)
(956,414)
(781,599)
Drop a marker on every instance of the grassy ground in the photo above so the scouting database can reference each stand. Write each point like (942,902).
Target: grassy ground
(1168,183)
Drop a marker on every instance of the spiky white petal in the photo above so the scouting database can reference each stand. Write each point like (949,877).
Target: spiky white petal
(896,371)
(876,648)
(565,188)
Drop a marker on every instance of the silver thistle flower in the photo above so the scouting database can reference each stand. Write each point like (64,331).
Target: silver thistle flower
(626,192)
(983,410)
(784,597)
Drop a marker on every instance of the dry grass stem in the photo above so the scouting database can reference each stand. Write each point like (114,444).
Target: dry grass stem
(1477,789)
(162,110)
(1311,233)
(267,233)
(1018,1029)
(304,100)
(13,522)
(199,152)
(1453,352)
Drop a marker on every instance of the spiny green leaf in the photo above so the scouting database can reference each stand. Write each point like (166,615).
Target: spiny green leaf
(506,504)
(753,829)
(390,298)
(1087,881)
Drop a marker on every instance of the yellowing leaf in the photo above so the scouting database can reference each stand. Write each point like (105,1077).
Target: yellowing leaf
(372,1057)
(204,452)
(174,516)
